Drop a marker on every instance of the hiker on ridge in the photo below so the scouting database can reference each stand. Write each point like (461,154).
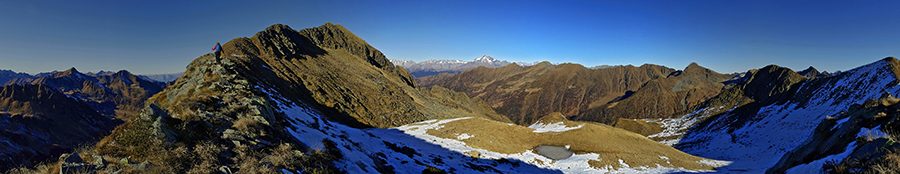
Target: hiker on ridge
(217,50)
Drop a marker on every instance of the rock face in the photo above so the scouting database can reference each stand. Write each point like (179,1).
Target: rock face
(601,95)
(40,123)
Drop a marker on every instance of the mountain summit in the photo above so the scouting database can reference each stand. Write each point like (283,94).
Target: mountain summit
(486,59)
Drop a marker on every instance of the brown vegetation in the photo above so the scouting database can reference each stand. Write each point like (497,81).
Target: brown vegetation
(612,144)
(601,95)
(330,66)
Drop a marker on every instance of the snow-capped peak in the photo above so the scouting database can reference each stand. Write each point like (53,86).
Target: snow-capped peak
(486,58)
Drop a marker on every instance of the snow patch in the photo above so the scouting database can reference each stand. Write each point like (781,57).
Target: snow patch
(676,127)
(839,122)
(464,136)
(540,127)
(871,133)
(761,141)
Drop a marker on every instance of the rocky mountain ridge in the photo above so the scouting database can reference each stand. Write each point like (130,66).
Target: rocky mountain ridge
(7,75)
(600,95)
(776,120)
(169,77)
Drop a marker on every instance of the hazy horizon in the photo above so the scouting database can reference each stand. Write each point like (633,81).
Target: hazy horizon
(163,37)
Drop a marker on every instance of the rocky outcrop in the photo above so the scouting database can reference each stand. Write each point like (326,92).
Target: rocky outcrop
(72,163)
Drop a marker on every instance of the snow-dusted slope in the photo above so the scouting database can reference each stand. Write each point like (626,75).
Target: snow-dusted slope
(757,141)
(390,149)
(410,148)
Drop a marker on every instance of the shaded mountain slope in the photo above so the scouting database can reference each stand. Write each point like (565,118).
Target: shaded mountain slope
(601,95)
(862,139)
(39,123)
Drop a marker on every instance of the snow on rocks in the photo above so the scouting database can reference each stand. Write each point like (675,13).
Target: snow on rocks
(816,166)
(871,134)
(775,129)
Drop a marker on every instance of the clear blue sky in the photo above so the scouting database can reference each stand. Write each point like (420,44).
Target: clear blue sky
(726,36)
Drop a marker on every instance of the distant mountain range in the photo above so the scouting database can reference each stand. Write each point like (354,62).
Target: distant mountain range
(9,75)
(162,77)
(434,67)
(55,112)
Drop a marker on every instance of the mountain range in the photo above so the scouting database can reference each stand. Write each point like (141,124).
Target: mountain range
(322,100)
(600,95)
(434,67)
(162,77)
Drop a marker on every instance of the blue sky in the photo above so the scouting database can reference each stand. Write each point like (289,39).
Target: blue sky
(726,36)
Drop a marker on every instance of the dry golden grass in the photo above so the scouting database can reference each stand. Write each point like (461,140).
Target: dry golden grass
(610,143)
(246,124)
(639,126)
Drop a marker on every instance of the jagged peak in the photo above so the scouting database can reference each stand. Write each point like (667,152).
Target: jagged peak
(811,68)
(810,72)
(70,71)
(124,73)
(696,69)
(278,27)
(693,65)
